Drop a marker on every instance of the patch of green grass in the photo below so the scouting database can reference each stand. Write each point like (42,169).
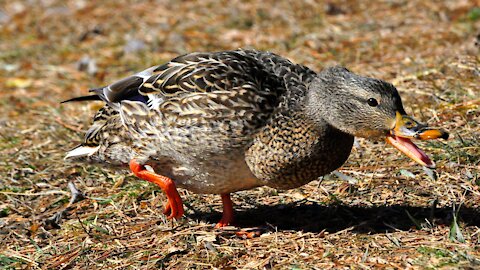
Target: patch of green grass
(12,55)
(444,257)
(474,14)
(7,262)
(60,202)
(455,231)
(13,189)
(101,230)
(4,212)
(7,142)
(133,183)
(103,201)
(137,189)
(460,149)
(437,252)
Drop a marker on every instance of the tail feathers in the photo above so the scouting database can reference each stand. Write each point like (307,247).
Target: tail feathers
(82,151)
(98,95)
(126,89)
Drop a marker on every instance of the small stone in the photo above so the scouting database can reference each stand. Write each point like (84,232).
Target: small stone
(134,46)
(88,65)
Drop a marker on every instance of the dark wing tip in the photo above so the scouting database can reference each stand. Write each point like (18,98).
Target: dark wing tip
(82,98)
(123,89)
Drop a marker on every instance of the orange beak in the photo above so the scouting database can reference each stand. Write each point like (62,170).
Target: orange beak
(407,128)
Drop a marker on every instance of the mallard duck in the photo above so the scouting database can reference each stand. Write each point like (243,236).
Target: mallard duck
(221,122)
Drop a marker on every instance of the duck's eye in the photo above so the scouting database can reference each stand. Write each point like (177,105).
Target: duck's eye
(372,102)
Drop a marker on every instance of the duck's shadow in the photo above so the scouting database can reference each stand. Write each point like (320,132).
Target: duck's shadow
(337,217)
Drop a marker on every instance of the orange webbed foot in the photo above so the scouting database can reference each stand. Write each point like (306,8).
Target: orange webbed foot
(176,211)
(227,216)
(227,219)
(174,205)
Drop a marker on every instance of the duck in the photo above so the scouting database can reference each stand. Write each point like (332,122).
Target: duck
(221,122)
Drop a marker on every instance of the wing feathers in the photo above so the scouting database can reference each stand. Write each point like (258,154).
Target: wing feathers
(82,98)
(199,87)
(123,89)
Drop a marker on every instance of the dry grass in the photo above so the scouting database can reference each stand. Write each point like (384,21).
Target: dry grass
(392,216)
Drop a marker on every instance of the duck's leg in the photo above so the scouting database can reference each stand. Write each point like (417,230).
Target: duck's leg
(227,216)
(174,206)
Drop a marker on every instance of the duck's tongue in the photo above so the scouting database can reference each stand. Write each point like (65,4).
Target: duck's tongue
(407,147)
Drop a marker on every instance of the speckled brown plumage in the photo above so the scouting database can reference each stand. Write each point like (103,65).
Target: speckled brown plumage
(301,152)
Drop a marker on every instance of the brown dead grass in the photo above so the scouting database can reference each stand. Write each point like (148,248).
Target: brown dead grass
(393,215)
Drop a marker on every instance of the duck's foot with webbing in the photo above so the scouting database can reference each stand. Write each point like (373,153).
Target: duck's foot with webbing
(174,205)
(227,215)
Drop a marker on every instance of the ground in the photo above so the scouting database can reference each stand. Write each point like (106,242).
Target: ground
(382,211)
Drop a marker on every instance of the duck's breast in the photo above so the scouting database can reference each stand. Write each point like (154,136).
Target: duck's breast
(292,151)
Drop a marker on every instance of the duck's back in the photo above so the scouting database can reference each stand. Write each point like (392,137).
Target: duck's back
(211,103)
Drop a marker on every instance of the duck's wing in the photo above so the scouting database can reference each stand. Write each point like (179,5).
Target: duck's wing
(239,88)
(262,74)
(204,87)
(197,87)
(190,73)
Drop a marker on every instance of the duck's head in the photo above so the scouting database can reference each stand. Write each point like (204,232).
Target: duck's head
(369,108)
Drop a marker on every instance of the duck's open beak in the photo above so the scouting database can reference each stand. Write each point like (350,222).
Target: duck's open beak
(407,128)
